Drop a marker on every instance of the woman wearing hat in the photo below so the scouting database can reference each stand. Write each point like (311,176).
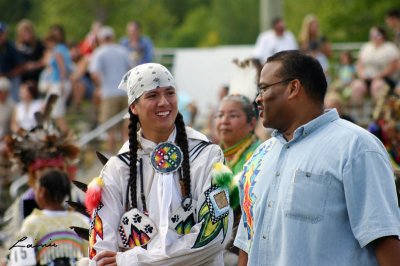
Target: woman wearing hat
(157,202)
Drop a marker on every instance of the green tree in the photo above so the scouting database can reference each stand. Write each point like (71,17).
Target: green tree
(340,20)
(184,23)
(236,21)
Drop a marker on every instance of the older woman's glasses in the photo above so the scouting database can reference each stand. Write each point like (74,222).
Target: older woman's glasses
(264,87)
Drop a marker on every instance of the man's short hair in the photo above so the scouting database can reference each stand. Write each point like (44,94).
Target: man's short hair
(307,69)
(393,13)
(275,21)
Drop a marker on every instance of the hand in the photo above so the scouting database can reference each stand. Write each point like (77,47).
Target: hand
(106,258)
(30,66)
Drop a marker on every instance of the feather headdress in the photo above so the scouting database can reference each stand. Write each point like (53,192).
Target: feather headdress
(245,78)
(44,145)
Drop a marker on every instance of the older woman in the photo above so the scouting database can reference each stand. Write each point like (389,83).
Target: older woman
(235,121)
(376,67)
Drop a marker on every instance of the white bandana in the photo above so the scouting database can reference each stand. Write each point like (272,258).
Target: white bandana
(143,78)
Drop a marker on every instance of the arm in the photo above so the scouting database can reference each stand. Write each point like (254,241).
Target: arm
(242,258)
(106,217)
(13,122)
(388,70)
(61,66)
(387,251)
(96,79)
(80,69)
(360,69)
(370,194)
(94,66)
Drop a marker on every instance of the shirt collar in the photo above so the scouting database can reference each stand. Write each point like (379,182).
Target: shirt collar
(147,146)
(301,132)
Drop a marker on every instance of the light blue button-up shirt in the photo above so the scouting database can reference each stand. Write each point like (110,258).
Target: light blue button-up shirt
(318,199)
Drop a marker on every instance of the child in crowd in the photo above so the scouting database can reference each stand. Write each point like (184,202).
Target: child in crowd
(345,74)
(48,229)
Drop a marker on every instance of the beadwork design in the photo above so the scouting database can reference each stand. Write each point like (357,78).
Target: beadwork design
(166,158)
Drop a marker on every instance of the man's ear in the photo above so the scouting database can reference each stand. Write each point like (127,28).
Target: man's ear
(294,89)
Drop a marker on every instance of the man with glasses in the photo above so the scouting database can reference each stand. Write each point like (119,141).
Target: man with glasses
(321,190)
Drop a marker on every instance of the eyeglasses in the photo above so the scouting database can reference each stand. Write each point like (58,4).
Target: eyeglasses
(264,87)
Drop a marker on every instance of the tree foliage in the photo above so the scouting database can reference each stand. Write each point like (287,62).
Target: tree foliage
(183,23)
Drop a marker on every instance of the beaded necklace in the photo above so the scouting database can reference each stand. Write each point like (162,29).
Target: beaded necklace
(234,153)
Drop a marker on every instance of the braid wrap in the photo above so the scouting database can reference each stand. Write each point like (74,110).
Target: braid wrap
(133,146)
(182,142)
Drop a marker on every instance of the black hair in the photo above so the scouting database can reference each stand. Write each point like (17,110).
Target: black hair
(382,32)
(275,21)
(57,185)
(32,88)
(58,32)
(393,13)
(181,141)
(297,65)
(349,56)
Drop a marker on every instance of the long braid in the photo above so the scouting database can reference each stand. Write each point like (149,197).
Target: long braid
(182,142)
(133,146)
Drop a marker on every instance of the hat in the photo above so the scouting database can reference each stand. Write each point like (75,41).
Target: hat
(105,32)
(4,84)
(3,27)
(143,78)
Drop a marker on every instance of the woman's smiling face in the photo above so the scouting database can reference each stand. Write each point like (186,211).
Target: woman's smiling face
(232,123)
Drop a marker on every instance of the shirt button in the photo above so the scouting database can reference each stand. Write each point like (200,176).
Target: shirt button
(264,236)
(278,174)
(287,147)
(270,205)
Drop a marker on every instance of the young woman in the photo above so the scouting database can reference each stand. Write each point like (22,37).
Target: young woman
(58,71)
(235,122)
(158,202)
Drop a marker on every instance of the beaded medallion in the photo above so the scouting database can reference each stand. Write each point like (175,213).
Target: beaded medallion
(166,158)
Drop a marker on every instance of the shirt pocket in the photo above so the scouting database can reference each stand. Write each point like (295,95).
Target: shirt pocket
(307,196)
